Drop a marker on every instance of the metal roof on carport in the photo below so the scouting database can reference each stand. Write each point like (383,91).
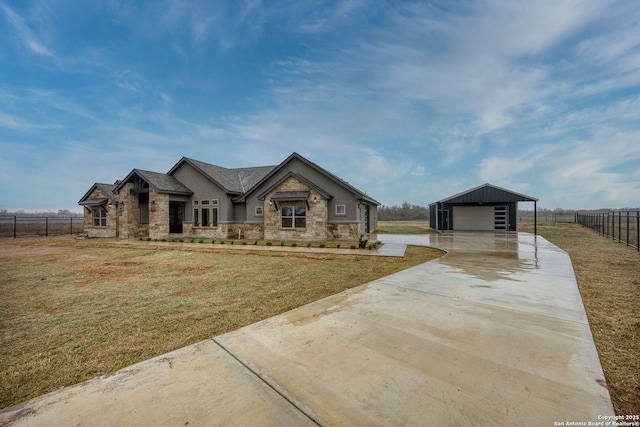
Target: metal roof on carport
(487,193)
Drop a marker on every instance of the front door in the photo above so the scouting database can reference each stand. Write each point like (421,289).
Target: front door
(176,216)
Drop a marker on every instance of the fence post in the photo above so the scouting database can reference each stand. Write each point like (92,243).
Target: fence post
(613,225)
(627,228)
(619,227)
(15,229)
(46,227)
(71,226)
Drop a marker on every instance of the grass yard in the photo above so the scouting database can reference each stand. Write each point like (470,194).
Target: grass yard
(71,310)
(403,227)
(608,275)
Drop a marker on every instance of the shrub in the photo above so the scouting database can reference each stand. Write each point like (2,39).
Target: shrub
(200,241)
(353,246)
(232,242)
(269,243)
(322,245)
(281,243)
(255,243)
(294,244)
(338,246)
(309,244)
(244,242)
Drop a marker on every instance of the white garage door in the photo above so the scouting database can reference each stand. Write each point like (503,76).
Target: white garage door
(473,218)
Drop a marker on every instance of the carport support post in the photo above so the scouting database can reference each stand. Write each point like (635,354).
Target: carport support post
(535,218)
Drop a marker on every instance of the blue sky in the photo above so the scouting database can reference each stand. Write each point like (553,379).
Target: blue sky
(408,101)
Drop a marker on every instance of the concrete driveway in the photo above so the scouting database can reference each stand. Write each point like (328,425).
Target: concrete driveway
(493,333)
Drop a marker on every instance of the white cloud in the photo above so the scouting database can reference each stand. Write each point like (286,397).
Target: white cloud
(24,33)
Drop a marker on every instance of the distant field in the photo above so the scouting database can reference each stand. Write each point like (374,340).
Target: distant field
(36,226)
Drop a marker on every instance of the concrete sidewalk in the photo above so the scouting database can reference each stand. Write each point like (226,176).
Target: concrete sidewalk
(493,333)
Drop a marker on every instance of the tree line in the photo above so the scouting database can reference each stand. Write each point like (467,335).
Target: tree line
(406,212)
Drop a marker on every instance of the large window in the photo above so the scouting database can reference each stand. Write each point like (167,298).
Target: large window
(294,217)
(99,217)
(205,217)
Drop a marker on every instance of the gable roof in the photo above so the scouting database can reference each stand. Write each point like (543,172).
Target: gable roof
(235,181)
(298,177)
(487,193)
(356,193)
(160,182)
(106,189)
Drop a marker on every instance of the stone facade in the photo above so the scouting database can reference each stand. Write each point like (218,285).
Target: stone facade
(344,231)
(316,215)
(158,215)
(111,229)
(129,226)
(249,231)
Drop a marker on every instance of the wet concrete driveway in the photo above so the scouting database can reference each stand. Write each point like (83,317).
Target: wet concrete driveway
(493,333)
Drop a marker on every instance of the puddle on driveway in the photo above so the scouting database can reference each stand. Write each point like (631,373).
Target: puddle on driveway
(488,265)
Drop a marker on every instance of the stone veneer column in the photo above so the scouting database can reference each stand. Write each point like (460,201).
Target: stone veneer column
(129,213)
(159,217)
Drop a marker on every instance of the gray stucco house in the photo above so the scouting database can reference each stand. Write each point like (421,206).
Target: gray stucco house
(295,200)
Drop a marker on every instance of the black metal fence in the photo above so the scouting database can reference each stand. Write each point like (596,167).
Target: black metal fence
(24,226)
(621,226)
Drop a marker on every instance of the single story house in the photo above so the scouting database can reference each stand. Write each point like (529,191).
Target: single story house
(482,208)
(295,200)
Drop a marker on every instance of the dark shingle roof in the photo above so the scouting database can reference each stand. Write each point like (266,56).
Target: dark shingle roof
(238,180)
(107,190)
(163,183)
(160,182)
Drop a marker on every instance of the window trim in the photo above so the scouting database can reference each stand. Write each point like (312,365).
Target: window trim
(213,219)
(293,217)
(211,215)
(101,218)
(344,210)
(261,209)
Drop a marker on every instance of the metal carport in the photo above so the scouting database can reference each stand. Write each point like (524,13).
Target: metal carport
(486,207)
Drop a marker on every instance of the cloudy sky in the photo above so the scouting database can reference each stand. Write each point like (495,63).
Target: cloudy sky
(409,101)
